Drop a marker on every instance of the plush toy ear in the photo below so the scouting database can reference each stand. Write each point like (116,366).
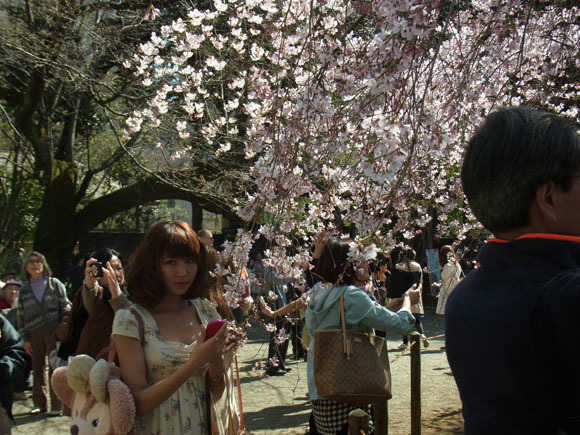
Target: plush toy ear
(60,386)
(122,406)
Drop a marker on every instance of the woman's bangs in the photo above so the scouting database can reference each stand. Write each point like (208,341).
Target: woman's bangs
(181,244)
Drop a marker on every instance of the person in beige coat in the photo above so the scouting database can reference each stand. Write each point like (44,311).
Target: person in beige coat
(410,266)
(450,276)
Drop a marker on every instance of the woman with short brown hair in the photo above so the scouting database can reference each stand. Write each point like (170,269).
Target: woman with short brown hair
(168,363)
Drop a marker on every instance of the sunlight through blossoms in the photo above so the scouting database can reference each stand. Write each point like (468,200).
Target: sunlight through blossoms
(353,113)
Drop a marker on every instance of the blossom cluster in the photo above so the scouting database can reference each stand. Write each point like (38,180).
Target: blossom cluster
(353,113)
(360,256)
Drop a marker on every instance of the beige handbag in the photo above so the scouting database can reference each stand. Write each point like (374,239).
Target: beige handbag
(351,367)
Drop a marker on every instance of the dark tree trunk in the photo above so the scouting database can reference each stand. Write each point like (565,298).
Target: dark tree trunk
(55,236)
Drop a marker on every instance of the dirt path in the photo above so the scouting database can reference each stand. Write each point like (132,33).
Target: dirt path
(279,405)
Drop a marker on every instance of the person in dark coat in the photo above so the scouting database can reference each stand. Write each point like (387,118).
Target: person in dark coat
(512,326)
(12,363)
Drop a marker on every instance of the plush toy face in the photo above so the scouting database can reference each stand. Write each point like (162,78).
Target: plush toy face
(113,414)
(90,417)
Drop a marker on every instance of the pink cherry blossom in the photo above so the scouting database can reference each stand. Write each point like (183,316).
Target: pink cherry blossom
(355,113)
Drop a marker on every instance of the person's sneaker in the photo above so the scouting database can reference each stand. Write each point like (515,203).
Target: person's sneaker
(403,346)
(274,371)
(54,413)
(21,395)
(425,341)
(38,410)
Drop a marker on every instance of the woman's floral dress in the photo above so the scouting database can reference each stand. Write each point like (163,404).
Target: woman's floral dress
(185,411)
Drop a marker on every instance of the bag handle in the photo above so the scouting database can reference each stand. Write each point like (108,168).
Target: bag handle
(139,324)
(111,350)
(345,347)
(241,408)
(343,324)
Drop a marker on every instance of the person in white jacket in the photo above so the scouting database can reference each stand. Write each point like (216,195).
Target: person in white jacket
(450,276)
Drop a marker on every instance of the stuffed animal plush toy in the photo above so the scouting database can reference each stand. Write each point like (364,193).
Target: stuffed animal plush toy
(101,403)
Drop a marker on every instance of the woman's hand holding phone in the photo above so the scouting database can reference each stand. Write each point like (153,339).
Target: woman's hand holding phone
(213,327)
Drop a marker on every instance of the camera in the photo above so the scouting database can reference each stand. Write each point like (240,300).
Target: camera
(98,269)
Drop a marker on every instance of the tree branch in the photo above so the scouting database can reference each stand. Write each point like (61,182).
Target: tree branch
(127,5)
(115,157)
(145,190)
(24,122)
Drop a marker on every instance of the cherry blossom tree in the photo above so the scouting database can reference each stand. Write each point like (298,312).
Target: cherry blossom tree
(354,114)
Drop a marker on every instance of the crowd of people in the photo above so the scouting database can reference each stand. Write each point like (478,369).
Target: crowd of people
(180,381)
(519,301)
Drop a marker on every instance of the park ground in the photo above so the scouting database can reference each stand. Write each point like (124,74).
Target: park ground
(279,405)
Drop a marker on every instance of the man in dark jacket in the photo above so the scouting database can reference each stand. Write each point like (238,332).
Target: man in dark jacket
(512,325)
(12,363)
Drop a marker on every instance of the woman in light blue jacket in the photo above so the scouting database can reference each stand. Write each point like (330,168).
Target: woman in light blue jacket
(337,276)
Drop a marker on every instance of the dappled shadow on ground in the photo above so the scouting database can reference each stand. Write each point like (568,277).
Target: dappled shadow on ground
(443,420)
(250,379)
(26,423)
(26,418)
(279,417)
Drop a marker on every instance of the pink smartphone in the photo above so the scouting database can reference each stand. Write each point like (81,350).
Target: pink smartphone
(213,327)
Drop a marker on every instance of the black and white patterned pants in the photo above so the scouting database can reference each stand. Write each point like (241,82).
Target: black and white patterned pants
(331,417)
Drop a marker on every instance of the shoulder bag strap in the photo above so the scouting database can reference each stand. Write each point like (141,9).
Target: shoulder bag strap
(139,319)
(112,350)
(343,324)
(240,406)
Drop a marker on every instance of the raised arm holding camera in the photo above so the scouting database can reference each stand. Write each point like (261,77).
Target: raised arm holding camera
(95,282)
(94,307)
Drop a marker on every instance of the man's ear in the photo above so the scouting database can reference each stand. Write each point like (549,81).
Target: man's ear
(545,205)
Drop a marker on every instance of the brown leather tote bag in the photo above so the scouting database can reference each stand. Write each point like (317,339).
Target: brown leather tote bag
(351,367)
